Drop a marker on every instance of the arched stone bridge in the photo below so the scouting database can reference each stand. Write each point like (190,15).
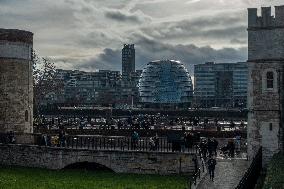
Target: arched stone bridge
(142,162)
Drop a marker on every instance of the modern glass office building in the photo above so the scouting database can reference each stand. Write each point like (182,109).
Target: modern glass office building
(165,82)
(220,85)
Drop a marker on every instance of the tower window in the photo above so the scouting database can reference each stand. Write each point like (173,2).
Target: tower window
(270,126)
(269,80)
(26,116)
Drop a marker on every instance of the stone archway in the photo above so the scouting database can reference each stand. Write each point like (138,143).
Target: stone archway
(88,166)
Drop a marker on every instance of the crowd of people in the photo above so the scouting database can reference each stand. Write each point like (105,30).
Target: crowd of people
(208,147)
(144,121)
(208,151)
(58,140)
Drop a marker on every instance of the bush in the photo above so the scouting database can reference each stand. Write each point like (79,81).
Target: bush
(275,173)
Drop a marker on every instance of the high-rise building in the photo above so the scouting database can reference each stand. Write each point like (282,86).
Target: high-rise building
(128,60)
(221,85)
(79,87)
(266,81)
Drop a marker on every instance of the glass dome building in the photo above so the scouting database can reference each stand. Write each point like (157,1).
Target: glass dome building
(165,82)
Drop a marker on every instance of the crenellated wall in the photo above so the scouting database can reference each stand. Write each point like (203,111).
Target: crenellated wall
(266,34)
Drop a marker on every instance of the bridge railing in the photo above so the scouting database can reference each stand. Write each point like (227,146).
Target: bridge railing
(162,144)
(251,175)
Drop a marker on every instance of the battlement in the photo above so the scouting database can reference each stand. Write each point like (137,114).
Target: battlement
(15,35)
(266,20)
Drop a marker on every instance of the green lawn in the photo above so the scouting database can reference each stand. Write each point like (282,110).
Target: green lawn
(275,174)
(33,178)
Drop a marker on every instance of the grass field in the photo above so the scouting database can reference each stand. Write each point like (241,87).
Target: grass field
(33,178)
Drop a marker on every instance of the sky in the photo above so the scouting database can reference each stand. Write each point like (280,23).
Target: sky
(89,34)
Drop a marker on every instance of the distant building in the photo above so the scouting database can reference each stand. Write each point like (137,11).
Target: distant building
(220,85)
(128,60)
(105,87)
(165,83)
(129,90)
(79,87)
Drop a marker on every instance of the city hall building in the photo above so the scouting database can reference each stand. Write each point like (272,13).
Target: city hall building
(165,83)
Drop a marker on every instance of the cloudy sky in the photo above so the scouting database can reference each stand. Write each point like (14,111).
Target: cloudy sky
(89,34)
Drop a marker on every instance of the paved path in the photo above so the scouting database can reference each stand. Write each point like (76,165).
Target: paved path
(228,173)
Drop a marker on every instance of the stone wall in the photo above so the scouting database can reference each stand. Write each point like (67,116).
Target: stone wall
(265,54)
(119,161)
(264,111)
(16,82)
(266,34)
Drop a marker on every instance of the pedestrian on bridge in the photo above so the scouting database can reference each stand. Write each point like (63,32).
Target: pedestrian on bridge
(134,140)
(211,167)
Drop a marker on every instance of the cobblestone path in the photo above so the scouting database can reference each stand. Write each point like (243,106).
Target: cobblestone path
(228,173)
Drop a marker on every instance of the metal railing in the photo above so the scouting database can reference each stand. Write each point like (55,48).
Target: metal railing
(121,143)
(196,175)
(251,175)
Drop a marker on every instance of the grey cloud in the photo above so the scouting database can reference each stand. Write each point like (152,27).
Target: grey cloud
(108,59)
(217,27)
(136,17)
(116,15)
(238,41)
(96,39)
(148,50)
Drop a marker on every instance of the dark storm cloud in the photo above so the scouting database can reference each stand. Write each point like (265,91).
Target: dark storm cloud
(215,27)
(89,34)
(118,16)
(108,59)
(136,17)
(148,50)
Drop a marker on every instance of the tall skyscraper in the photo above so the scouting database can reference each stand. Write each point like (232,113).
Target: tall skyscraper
(128,60)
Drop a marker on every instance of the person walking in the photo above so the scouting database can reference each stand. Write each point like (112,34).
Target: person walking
(238,143)
(211,167)
(231,147)
(210,146)
(134,140)
(215,146)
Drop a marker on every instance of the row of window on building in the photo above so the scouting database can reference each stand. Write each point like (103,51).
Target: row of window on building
(215,85)
(220,85)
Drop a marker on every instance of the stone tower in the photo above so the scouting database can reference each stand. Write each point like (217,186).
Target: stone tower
(265,82)
(16,83)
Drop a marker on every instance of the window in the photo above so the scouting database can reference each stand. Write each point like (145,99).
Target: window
(269,80)
(270,126)
(26,116)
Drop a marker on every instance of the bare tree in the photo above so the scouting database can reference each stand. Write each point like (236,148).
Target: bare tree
(44,80)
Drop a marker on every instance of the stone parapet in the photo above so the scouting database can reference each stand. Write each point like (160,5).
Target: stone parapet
(163,163)
(14,35)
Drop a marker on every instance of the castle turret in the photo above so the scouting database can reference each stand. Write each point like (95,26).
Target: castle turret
(265,82)
(16,84)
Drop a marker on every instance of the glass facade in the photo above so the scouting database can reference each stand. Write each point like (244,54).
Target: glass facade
(165,81)
(221,85)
